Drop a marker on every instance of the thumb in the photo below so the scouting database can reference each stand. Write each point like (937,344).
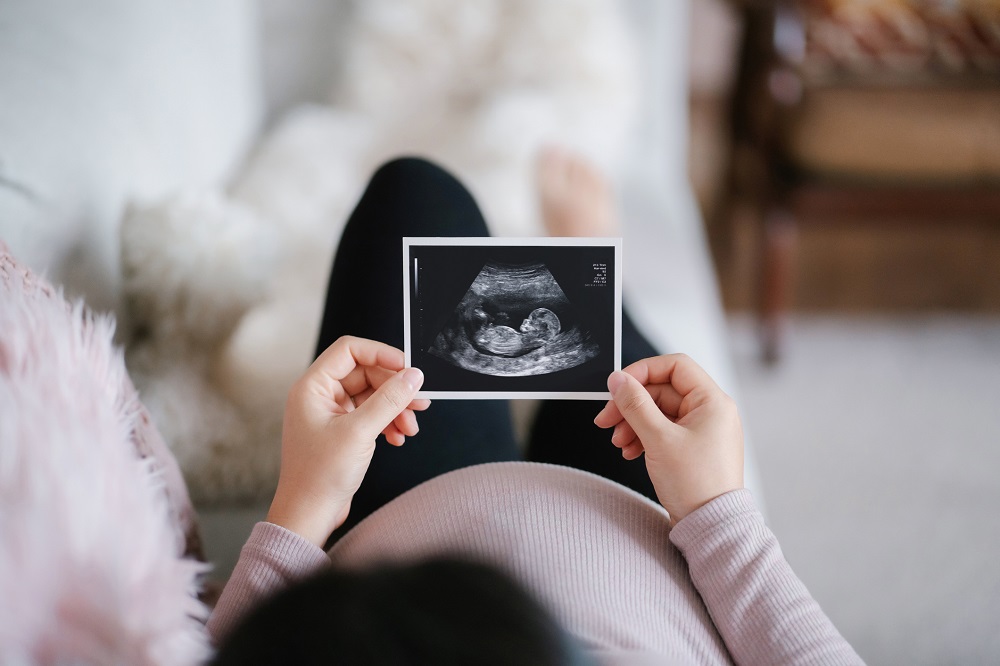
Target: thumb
(389,400)
(637,406)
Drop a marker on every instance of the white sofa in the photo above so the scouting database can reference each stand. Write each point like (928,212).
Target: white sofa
(122,99)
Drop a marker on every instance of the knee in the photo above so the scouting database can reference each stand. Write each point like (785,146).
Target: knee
(411,172)
(423,199)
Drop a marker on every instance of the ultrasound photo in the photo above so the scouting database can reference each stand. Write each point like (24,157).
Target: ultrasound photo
(513,318)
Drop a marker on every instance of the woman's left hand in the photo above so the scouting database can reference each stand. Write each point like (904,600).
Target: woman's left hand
(355,390)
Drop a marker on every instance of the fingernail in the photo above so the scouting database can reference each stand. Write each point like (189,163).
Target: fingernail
(414,378)
(615,433)
(616,381)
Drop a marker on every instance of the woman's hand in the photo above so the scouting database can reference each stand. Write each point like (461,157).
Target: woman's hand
(669,408)
(355,390)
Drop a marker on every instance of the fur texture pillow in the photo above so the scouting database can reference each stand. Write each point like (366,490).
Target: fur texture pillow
(94,517)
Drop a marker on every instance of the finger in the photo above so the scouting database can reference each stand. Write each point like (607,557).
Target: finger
(365,377)
(361,382)
(638,407)
(406,423)
(666,398)
(664,395)
(623,434)
(609,416)
(388,401)
(359,399)
(617,441)
(632,451)
(625,443)
(677,370)
(393,436)
(347,353)
(418,405)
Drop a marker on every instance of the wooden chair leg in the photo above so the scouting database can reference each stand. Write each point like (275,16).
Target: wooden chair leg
(777,263)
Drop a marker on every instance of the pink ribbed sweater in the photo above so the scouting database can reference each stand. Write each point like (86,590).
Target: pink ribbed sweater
(713,590)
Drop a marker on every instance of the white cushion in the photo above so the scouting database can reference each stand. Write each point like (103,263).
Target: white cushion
(112,99)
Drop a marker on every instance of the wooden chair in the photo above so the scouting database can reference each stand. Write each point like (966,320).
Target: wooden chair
(848,110)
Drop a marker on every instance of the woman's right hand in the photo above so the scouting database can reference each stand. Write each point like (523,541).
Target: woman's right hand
(354,391)
(689,429)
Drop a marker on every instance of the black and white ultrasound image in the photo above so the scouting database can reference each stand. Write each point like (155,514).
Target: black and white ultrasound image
(513,318)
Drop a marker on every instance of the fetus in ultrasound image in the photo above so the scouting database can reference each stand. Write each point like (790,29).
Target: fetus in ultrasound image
(514,320)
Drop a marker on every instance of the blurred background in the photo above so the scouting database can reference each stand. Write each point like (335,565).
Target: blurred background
(810,192)
(846,158)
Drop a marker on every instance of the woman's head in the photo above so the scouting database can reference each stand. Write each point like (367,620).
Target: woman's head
(436,611)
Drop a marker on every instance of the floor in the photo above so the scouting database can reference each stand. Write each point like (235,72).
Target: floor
(878,433)
(878,443)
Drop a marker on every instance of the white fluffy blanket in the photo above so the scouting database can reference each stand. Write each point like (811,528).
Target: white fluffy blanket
(225,288)
(93,524)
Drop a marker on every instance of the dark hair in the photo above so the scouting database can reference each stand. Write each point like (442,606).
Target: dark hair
(439,611)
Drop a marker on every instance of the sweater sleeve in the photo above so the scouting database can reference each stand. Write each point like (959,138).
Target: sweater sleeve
(271,560)
(762,610)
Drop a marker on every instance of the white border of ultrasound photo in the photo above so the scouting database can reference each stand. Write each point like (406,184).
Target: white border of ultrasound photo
(568,394)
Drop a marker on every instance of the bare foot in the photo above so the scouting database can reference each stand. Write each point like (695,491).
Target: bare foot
(576,199)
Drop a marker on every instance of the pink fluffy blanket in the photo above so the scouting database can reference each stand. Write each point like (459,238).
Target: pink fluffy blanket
(96,530)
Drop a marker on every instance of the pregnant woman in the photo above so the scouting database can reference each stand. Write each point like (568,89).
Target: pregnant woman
(641,549)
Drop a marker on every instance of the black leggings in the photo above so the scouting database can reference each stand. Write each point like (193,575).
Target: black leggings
(412,197)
